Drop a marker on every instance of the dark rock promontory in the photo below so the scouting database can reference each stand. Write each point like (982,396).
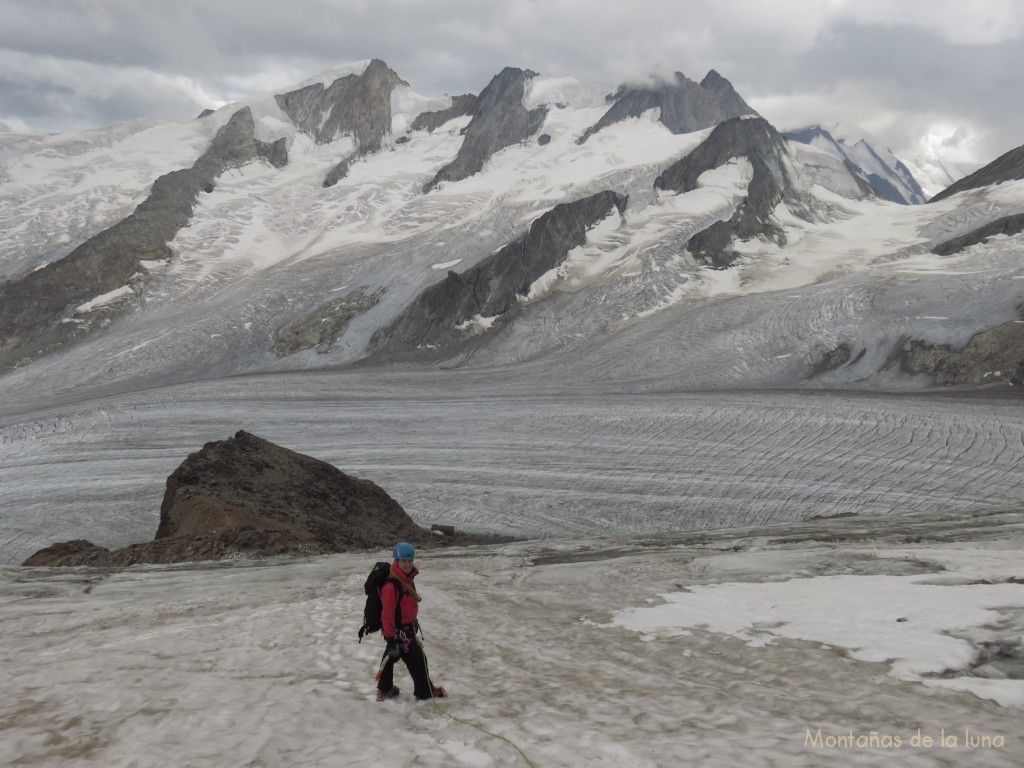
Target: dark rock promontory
(246,497)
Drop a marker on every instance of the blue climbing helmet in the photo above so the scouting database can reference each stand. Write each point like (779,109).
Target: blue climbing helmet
(404,551)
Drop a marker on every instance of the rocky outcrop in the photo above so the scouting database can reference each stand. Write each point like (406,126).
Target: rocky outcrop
(995,355)
(37,310)
(322,327)
(77,552)
(1008,167)
(755,140)
(1008,225)
(447,316)
(355,105)
(730,102)
(499,120)
(431,121)
(685,106)
(246,497)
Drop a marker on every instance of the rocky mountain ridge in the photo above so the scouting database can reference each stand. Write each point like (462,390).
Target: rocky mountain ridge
(1006,167)
(683,105)
(353,221)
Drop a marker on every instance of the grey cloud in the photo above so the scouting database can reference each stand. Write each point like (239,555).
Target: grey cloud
(916,71)
(457,46)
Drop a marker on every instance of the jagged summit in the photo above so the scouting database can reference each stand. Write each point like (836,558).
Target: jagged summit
(755,141)
(731,101)
(499,120)
(685,106)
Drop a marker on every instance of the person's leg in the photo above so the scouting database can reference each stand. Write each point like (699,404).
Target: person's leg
(416,662)
(386,681)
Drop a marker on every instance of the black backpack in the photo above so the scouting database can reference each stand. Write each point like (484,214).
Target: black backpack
(380,574)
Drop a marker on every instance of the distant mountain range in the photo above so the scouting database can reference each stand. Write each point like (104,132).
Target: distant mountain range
(887,176)
(663,233)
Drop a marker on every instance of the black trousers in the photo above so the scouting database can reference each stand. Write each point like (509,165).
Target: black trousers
(416,662)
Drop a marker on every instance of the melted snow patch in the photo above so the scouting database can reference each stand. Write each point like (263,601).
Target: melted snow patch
(900,620)
(445,264)
(477,324)
(105,299)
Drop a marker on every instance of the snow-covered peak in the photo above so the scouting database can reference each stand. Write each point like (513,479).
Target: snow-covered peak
(932,174)
(890,178)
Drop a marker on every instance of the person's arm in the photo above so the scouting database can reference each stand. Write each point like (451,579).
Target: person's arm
(389,600)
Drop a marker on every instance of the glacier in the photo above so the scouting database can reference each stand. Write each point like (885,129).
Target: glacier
(698,464)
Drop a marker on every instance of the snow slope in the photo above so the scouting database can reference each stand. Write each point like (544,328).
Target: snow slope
(747,654)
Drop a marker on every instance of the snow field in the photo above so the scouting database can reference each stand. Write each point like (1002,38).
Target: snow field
(257,664)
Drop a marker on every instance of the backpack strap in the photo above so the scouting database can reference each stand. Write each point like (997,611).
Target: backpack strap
(399,590)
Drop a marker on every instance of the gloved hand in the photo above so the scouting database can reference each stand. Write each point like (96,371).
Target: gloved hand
(394,649)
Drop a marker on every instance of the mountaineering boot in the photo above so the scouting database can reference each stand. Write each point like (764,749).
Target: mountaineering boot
(385,695)
(440,693)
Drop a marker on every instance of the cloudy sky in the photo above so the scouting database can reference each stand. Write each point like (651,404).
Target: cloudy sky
(935,77)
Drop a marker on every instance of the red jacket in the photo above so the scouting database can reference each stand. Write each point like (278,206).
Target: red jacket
(409,606)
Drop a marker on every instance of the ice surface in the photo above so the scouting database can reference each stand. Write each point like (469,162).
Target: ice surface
(506,452)
(257,664)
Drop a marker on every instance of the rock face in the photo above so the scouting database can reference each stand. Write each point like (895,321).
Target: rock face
(356,105)
(246,497)
(499,120)
(324,325)
(685,106)
(731,103)
(755,140)
(448,316)
(37,311)
(431,121)
(1008,167)
(995,355)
